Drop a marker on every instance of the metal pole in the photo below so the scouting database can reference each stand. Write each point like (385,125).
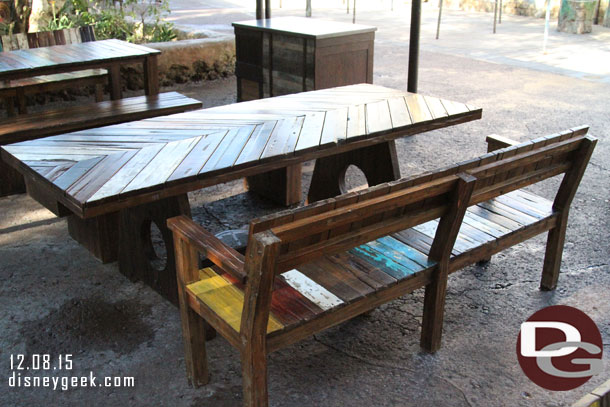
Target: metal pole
(259,9)
(547,20)
(495,14)
(354,18)
(500,14)
(308,8)
(414,46)
(440,11)
(267,8)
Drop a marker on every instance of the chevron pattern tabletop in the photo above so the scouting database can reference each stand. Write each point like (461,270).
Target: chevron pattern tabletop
(101,170)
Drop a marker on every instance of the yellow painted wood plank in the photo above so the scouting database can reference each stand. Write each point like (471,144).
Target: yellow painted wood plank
(225,299)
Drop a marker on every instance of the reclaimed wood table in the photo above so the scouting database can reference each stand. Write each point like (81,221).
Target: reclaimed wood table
(109,54)
(114,182)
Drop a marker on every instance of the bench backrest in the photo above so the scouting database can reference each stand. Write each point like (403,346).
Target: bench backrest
(346,221)
(47,38)
(280,242)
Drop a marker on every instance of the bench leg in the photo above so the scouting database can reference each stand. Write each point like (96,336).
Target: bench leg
(553,254)
(379,164)
(434,309)
(194,335)
(137,257)
(254,376)
(282,186)
(98,235)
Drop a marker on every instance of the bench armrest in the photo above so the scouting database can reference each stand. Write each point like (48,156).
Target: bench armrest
(209,245)
(495,142)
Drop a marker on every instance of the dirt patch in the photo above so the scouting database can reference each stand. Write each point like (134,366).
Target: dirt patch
(84,325)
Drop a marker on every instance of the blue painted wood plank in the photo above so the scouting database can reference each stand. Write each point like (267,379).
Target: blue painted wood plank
(411,253)
(396,256)
(382,262)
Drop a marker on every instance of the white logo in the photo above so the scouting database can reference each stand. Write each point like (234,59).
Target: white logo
(571,343)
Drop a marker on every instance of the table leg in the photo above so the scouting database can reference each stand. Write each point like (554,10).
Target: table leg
(379,164)
(282,186)
(98,235)
(11,181)
(151,75)
(114,81)
(137,257)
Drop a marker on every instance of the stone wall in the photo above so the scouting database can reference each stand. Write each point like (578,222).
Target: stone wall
(188,60)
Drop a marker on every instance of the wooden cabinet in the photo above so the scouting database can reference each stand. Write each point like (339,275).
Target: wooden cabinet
(279,56)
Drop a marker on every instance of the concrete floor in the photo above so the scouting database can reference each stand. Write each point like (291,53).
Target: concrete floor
(57,299)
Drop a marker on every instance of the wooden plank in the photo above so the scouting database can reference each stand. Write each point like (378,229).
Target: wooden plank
(224,299)
(335,279)
(399,112)
(356,122)
(311,132)
(436,107)
(127,173)
(284,137)
(335,127)
(87,185)
(418,109)
(413,255)
(362,270)
(162,165)
(312,290)
(194,161)
(228,149)
(394,251)
(378,117)
(383,263)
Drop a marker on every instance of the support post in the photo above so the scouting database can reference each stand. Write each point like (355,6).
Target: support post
(259,9)
(267,8)
(414,46)
(438,23)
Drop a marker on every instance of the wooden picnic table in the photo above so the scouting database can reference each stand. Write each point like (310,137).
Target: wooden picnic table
(116,180)
(109,54)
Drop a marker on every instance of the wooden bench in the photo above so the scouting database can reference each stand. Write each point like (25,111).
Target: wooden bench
(18,89)
(308,269)
(91,115)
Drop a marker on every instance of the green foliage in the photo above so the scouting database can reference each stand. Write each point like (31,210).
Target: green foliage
(129,20)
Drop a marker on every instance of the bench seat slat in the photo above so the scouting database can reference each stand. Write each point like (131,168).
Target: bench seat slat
(319,287)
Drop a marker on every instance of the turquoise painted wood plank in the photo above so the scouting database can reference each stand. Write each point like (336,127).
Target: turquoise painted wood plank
(396,255)
(414,255)
(384,263)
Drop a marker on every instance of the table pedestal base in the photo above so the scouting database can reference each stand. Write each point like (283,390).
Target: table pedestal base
(137,257)
(99,235)
(282,186)
(379,164)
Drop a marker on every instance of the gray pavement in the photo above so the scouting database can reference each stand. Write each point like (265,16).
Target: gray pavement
(56,298)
